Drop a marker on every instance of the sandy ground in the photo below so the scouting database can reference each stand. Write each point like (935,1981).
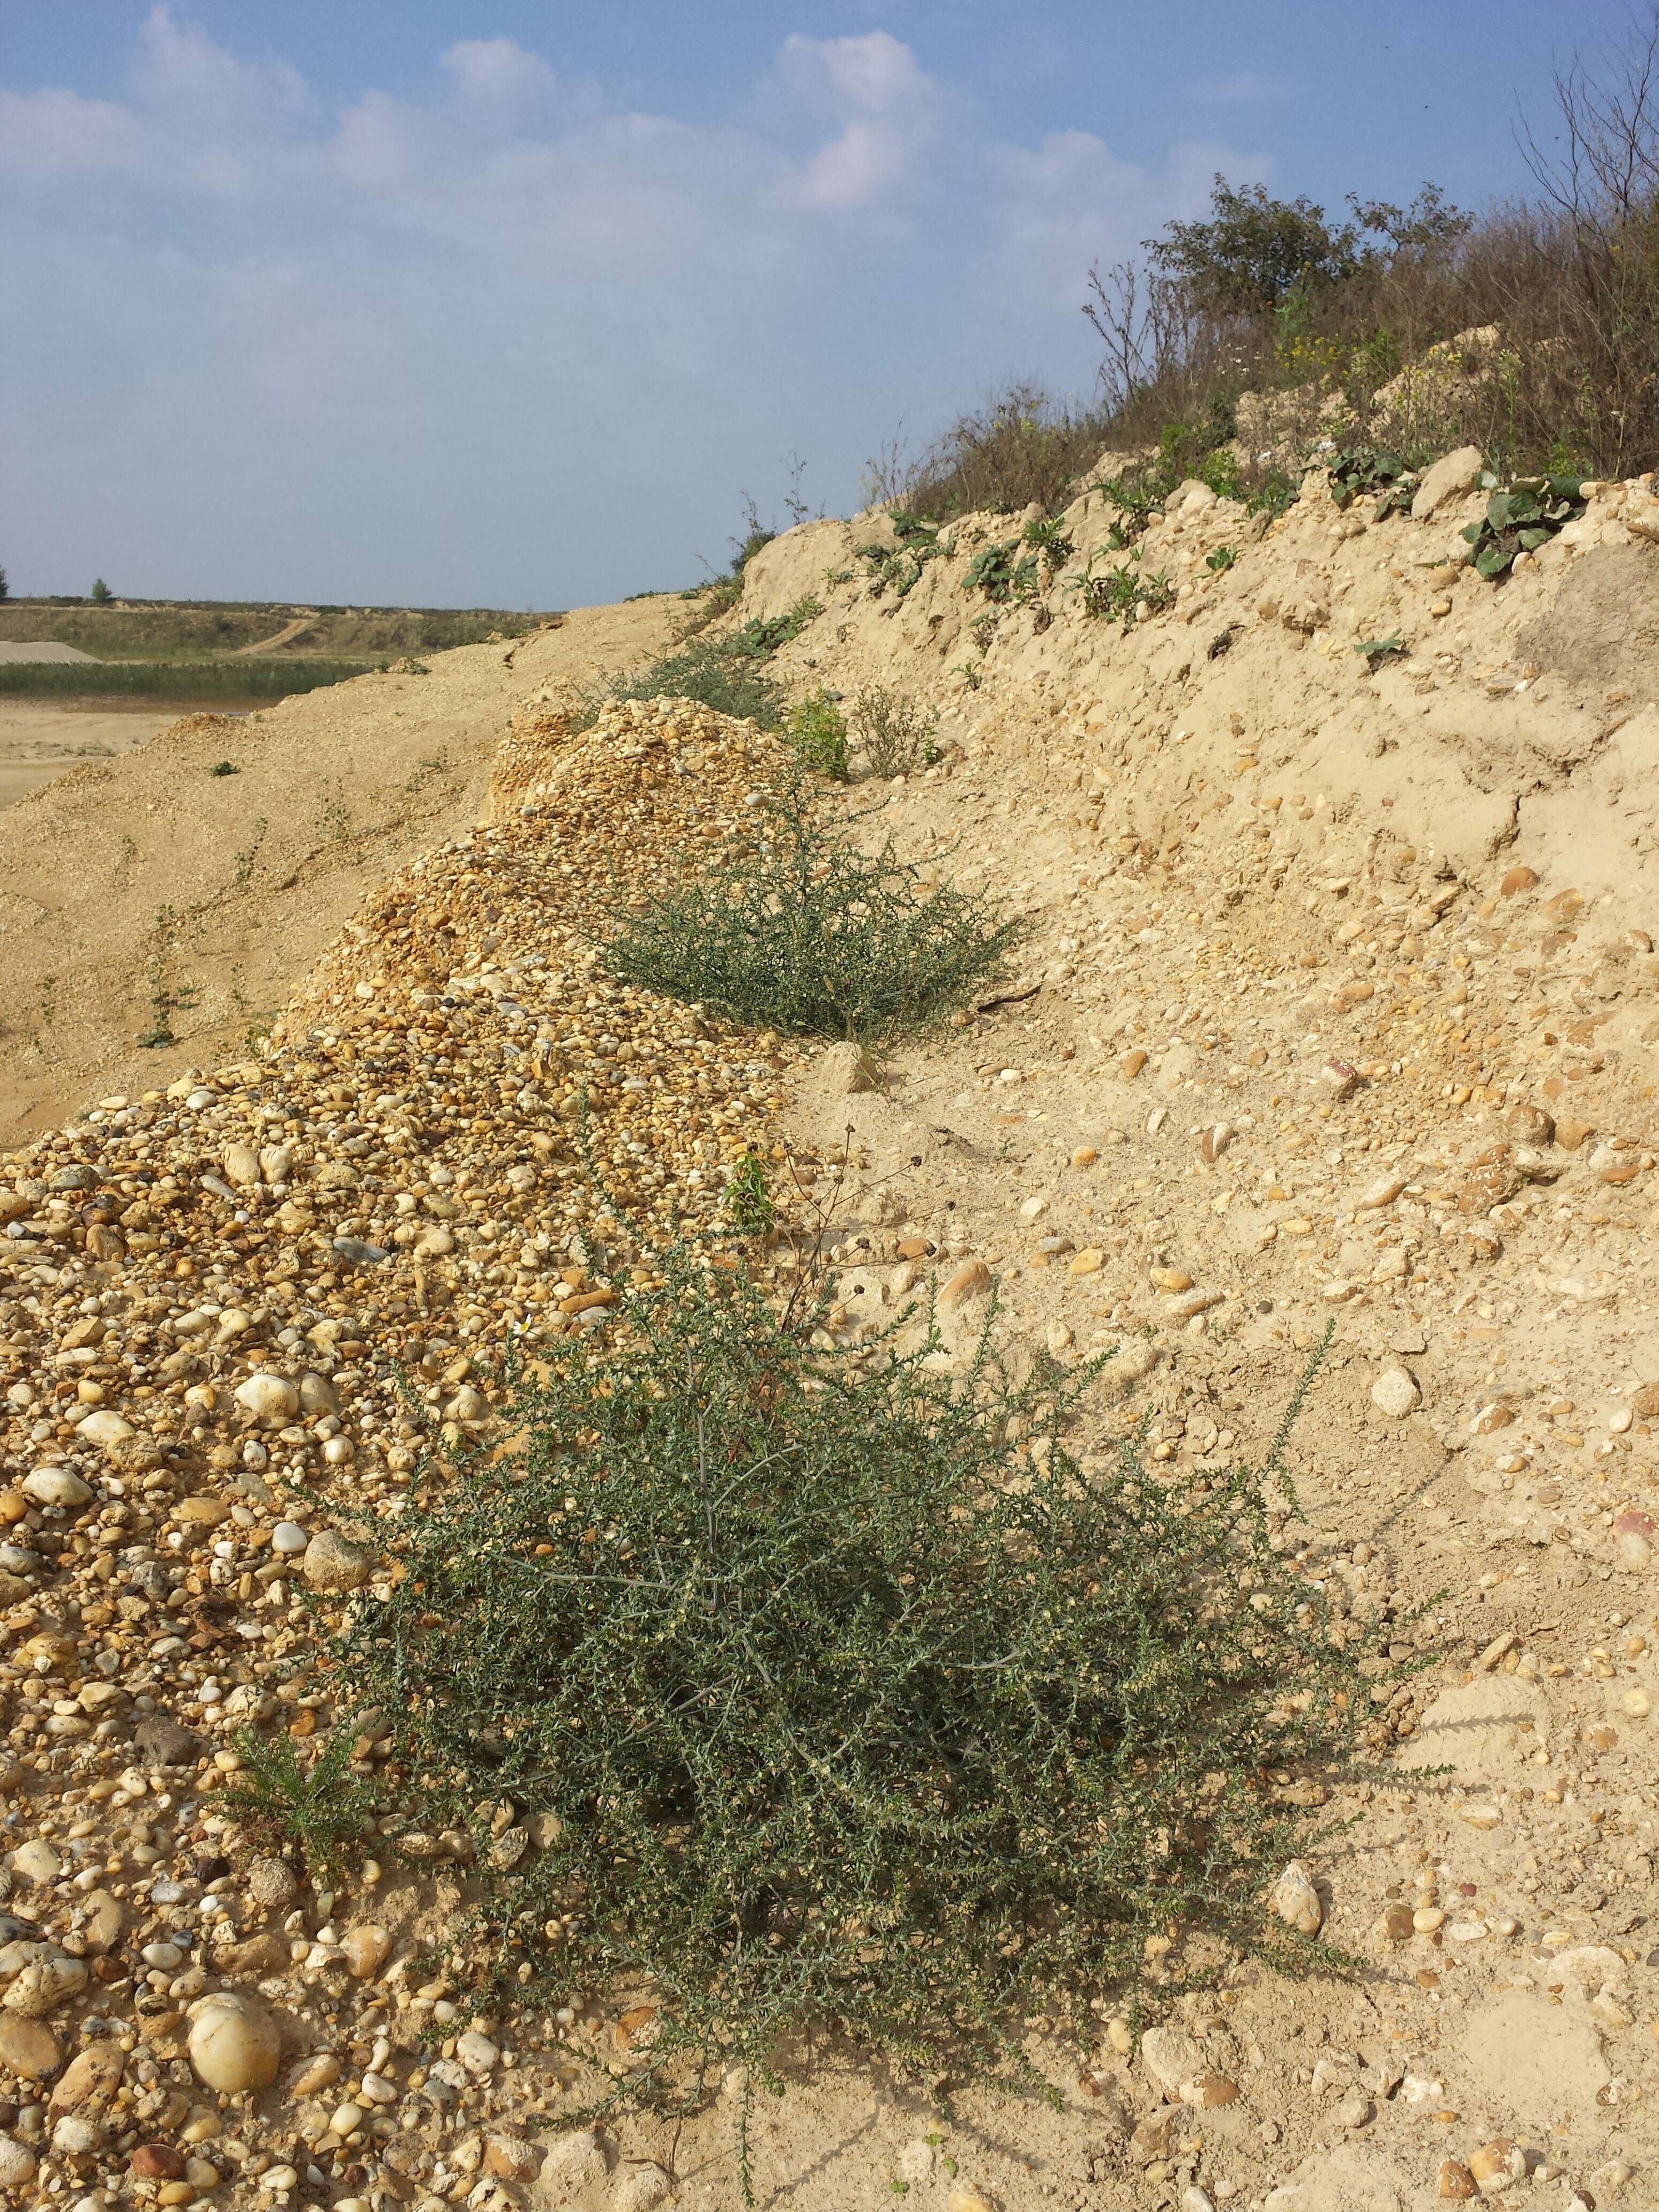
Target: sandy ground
(38,742)
(138,871)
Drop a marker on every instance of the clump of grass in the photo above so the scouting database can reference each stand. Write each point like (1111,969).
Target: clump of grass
(312,1811)
(894,734)
(847,1710)
(807,934)
(224,768)
(706,671)
(817,730)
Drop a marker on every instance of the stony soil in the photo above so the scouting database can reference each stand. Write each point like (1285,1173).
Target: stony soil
(1334,1016)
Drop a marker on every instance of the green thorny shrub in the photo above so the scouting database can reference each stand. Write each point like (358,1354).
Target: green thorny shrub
(895,735)
(805,933)
(840,1711)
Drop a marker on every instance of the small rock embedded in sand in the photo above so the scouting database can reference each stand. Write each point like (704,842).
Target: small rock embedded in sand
(55,1485)
(573,2164)
(28,2048)
(476,2052)
(333,1564)
(272,1883)
(91,2078)
(268,1397)
(16,2163)
(971,1280)
(365,1948)
(1496,2163)
(1455,2183)
(45,1984)
(235,2043)
(511,2157)
(105,1428)
(36,1861)
(641,2186)
(1395,1393)
(1296,1900)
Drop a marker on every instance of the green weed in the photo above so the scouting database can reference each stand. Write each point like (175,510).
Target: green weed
(809,935)
(224,768)
(749,1198)
(817,730)
(829,1704)
(1521,519)
(315,1811)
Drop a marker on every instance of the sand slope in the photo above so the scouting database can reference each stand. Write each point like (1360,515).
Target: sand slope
(245,877)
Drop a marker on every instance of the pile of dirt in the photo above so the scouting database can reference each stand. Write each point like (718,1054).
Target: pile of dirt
(1339,1014)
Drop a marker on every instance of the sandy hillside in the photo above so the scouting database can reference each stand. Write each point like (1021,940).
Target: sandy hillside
(235,883)
(1338,1012)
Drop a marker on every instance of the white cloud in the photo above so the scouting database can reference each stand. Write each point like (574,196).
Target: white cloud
(512,342)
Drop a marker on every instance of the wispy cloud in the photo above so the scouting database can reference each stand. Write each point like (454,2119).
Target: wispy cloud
(513,340)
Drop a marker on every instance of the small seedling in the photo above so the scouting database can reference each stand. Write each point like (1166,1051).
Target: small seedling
(749,1200)
(247,854)
(1221,559)
(1375,650)
(224,768)
(166,998)
(315,1811)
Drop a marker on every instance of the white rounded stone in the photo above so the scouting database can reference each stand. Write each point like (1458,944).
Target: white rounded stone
(268,1397)
(235,2043)
(1395,1394)
(55,1485)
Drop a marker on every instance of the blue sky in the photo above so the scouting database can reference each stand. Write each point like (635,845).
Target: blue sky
(509,304)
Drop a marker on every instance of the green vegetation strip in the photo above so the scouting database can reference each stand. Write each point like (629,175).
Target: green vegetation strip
(250,678)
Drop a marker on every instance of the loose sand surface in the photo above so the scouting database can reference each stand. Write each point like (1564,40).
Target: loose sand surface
(38,742)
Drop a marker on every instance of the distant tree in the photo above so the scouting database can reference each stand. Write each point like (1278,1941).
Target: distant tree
(5,588)
(101,591)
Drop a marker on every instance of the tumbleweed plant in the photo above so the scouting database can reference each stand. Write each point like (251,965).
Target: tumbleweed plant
(838,1708)
(808,934)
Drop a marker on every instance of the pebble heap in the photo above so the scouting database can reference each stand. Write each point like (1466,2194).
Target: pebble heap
(462,1131)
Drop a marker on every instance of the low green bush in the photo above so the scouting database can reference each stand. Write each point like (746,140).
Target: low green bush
(817,730)
(789,1690)
(703,671)
(809,935)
